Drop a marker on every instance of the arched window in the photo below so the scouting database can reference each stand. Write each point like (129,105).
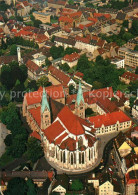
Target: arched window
(64,157)
(79,157)
(71,159)
(74,157)
(83,158)
(89,154)
(80,142)
(61,155)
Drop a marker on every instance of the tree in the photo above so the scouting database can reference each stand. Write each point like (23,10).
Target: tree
(18,146)
(43,81)
(24,73)
(72,90)
(136,71)
(125,23)
(77,185)
(136,48)
(8,140)
(88,112)
(34,149)
(134,29)
(53,38)
(47,62)
(65,67)
(37,23)
(83,63)
(56,52)
(71,2)
(13,50)
(97,85)
(32,190)
(127,36)
(32,85)
(16,186)
(133,86)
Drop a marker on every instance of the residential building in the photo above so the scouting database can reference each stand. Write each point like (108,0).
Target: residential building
(43,17)
(71,59)
(130,56)
(34,71)
(128,77)
(118,61)
(106,188)
(135,109)
(57,76)
(110,122)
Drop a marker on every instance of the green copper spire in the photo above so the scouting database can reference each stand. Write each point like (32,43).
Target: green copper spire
(80,95)
(44,101)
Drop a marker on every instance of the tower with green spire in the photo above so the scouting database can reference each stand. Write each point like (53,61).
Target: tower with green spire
(80,104)
(45,111)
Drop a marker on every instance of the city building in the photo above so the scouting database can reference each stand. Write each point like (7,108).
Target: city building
(110,122)
(43,17)
(68,139)
(71,59)
(135,109)
(128,77)
(118,61)
(130,56)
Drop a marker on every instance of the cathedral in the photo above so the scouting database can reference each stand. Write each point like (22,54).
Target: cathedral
(68,139)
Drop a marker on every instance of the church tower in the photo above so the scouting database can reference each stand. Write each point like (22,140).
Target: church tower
(80,104)
(19,55)
(45,111)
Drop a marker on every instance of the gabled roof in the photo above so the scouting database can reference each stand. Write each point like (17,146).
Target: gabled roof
(71,57)
(109,119)
(71,121)
(33,67)
(54,91)
(59,75)
(130,76)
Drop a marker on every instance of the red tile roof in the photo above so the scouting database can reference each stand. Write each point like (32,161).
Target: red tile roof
(130,76)
(41,38)
(36,135)
(107,105)
(69,144)
(53,131)
(33,67)
(96,15)
(71,121)
(72,57)
(82,39)
(76,14)
(93,19)
(79,74)
(109,119)
(60,139)
(54,91)
(59,75)
(35,112)
(65,19)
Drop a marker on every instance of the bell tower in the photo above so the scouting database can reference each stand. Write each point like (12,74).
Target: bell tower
(80,104)
(45,111)
(19,55)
